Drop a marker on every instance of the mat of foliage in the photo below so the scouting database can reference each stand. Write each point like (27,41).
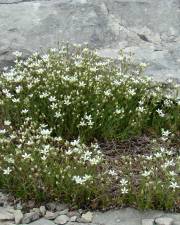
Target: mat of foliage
(56,108)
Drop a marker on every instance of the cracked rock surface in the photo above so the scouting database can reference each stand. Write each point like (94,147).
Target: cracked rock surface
(149,29)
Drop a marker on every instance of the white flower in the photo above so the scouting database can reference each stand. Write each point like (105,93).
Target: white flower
(82,123)
(45,57)
(7,122)
(7,171)
(107,92)
(158,155)
(17,53)
(58,138)
(26,156)
(146,173)
(131,92)
(86,156)
(53,105)
(174,185)
(140,109)
(78,179)
(40,71)
(44,95)
(44,157)
(162,150)
(75,142)
(123,182)
(112,173)
(148,157)
(24,111)
(82,84)
(67,102)
(141,102)
(119,111)
(81,180)
(5,68)
(18,89)
(2,131)
(15,100)
(143,65)
(52,98)
(172,173)
(95,161)
(45,132)
(124,190)
(57,114)
(160,112)
(165,133)
(90,123)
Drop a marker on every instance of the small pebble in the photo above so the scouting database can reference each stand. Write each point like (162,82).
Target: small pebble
(63,219)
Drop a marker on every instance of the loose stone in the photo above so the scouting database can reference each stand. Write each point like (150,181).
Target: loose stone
(148,222)
(31,204)
(36,210)
(63,212)
(30,217)
(87,217)
(164,221)
(51,206)
(63,219)
(18,216)
(5,215)
(60,207)
(73,218)
(73,213)
(51,215)
(42,210)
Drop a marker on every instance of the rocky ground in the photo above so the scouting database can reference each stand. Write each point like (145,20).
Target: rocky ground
(149,29)
(12,212)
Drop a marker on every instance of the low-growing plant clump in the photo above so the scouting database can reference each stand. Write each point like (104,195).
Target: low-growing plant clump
(56,108)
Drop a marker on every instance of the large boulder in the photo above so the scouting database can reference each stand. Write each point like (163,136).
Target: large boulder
(149,29)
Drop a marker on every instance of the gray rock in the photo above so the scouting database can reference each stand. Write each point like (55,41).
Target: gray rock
(164,221)
(36,210)
(51,206)
(5,214)
(86,217)
(148,222)
(18,216)
(51,215)
(63,219)
(30,217)
(73,219)
(61,207)
(3,199)
(63,212)
(106,25)
(42,210)
(73,213)
(31,204)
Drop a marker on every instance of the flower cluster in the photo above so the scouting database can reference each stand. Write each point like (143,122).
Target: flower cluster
(78,93)
(54,108)
(33,161)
